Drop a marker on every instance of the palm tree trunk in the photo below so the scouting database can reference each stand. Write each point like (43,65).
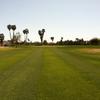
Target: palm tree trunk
(1,42)
(10,35)
(13,37)
(41,40)
(26,37)
(13,34)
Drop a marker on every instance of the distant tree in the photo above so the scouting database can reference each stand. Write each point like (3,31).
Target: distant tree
(9,28)
(80,41)
(26,31)
(41,34)
(77,39)
(13,28)
(95,41)
(61,41)
(52,39)
(45,42)
(1,38)
(43,31)
(61,38)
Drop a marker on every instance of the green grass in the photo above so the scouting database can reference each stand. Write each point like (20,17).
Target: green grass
(49,73)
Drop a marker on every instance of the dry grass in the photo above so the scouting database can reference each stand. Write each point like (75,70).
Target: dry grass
(5,48)
(91,50)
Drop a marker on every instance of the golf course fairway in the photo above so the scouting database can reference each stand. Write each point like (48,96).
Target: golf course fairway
(50,73)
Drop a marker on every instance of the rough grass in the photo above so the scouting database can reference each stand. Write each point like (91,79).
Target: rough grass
(58,73)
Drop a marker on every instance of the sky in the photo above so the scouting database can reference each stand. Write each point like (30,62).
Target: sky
(69,19)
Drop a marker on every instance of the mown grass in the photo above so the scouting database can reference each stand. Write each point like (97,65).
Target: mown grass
(46,73)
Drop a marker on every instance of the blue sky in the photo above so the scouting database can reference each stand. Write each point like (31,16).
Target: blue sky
(60,18)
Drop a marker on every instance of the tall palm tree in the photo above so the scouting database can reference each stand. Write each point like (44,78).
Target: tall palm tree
(77,39)
(61,41)
(26,31)
(1,38)
(13,28)
(43,31)
(9,28)
(41,34)
(52,38)
(61,38)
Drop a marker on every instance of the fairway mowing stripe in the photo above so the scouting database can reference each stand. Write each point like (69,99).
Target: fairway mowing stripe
(20,73)
(63,79)
(89,66)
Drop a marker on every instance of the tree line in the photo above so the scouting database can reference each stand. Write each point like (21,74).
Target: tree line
(15,38)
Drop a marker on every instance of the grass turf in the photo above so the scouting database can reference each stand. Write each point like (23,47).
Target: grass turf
(46,73)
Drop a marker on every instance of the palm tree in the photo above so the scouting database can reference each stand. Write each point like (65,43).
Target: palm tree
(26,31)
(61,38)
(77,39)
(43,31)
(61,41)
(1,38)
(52,38)
(13,28)
(9,28)
(41,34)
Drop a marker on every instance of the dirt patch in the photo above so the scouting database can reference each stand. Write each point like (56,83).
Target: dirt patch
(91,50)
